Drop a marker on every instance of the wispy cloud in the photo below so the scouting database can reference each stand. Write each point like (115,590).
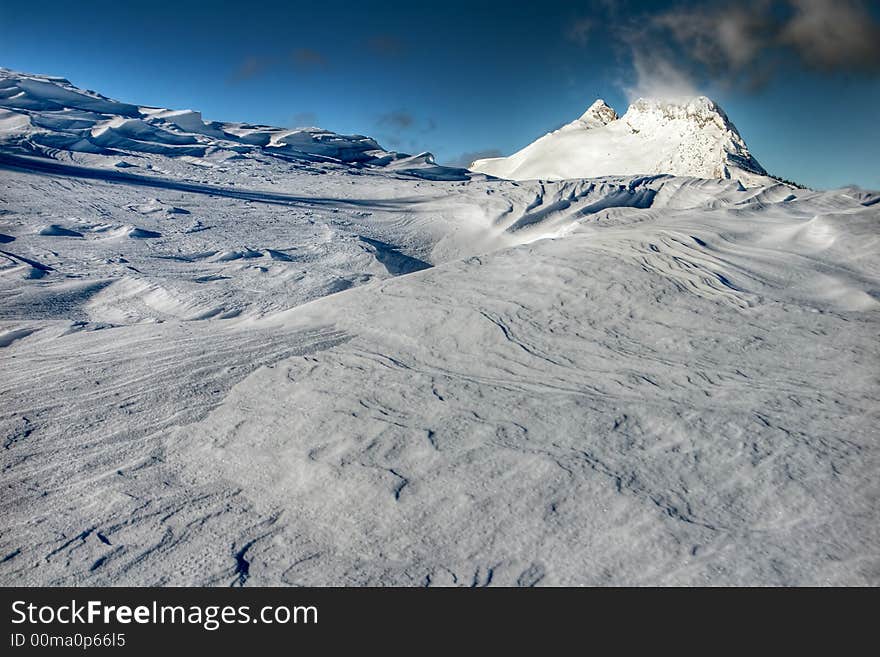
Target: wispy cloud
(400,129)
(578,31)
(657,75)
(397,120)
(303,60)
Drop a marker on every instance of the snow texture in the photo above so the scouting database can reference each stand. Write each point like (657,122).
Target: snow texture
(239,355)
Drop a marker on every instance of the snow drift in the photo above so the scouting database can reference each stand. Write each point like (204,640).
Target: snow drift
(239,355)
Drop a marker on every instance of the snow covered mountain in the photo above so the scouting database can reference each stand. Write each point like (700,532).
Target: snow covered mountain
(690,137)
(240,355)
(48,116)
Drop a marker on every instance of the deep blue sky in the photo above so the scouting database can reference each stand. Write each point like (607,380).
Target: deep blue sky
(457,78)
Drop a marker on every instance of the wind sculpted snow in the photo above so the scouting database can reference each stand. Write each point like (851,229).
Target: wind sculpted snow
(396,373)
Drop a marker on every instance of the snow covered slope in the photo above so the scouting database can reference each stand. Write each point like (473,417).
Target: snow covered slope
(691,137)
(42,115)
(284,370)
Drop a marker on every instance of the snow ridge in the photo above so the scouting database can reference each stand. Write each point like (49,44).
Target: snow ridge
(50,117)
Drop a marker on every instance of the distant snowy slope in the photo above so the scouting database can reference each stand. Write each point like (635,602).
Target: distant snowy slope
(692,137)
(48,116)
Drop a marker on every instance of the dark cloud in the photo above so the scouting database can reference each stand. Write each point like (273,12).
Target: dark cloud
(466,159)
(397,120)
(834,35)
(308,59)
(386,45)
(400,121)
(747,44)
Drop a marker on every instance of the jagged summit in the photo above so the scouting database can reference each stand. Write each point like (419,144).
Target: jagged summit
(598,114)
(698,109)
(684,137)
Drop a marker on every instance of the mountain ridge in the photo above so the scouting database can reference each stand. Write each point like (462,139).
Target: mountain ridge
(684,137)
